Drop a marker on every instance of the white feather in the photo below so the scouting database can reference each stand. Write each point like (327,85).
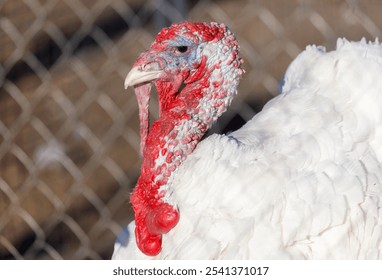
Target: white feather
(301,180)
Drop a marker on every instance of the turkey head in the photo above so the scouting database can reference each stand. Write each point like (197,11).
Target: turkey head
(196,69)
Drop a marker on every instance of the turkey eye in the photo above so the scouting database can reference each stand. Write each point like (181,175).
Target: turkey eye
(182,49)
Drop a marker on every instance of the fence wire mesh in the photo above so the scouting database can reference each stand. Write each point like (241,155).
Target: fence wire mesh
(69,136)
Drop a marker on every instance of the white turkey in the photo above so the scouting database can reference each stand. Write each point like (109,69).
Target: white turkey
(301,180)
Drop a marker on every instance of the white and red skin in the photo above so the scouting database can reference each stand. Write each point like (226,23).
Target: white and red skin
(210,85)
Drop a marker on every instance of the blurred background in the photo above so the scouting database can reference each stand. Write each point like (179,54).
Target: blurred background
(69,136)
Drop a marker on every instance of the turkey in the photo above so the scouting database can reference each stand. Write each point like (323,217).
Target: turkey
(301,180)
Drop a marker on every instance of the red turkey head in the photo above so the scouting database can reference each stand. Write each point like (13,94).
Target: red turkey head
(196,69)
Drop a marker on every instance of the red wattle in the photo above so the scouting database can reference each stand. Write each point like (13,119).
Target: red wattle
(162,219)
(149,244)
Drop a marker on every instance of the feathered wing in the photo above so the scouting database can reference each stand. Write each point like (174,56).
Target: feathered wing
(302,179)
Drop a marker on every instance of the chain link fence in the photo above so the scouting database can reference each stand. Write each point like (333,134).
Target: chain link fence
(69,136)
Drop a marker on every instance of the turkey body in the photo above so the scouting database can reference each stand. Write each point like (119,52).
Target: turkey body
(301,180)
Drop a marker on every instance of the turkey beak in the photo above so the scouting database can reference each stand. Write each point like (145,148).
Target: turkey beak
(139,75)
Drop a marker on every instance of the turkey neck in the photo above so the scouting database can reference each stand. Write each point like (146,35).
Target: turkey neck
(184,118)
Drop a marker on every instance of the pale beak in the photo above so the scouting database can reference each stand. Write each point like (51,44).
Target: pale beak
(138,76)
